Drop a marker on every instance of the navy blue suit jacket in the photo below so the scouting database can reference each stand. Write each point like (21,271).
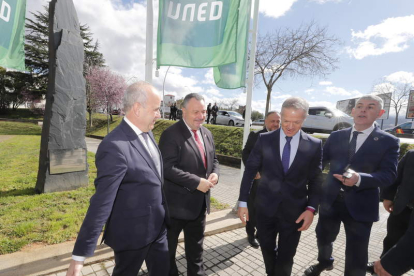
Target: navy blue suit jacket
(293,191)
(128,197)
(375,161)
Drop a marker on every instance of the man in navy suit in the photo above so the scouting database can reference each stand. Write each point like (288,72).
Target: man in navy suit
(129,197)
(191,170)
(289,162)
(362,159)
(271,123)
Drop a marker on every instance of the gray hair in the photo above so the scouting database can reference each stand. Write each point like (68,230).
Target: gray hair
(296,103)
(272,112)
(136,93)
(190,96)
(372,97)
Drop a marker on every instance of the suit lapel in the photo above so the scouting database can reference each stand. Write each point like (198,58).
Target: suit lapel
(137,144)
(208,148)
(369,144)
(276,149)
(303,141)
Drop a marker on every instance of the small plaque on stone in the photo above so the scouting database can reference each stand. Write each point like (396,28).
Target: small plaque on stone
(67,160)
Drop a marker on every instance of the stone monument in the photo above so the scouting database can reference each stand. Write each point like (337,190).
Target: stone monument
(63,155)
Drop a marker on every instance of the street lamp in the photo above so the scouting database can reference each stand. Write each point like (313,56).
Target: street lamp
(163,99)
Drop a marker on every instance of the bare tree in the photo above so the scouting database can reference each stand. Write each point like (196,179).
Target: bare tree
(305,51)
(232,103)
(399,90)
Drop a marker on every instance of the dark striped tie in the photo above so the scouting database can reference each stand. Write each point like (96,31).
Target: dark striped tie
(352,145)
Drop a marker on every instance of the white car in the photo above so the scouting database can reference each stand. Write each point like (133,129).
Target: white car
(324,119)
(230,118)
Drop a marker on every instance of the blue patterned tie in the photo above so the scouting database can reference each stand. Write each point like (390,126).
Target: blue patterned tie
(352,145)
(286,154)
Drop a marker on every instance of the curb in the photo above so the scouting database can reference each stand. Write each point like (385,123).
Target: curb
(50,259)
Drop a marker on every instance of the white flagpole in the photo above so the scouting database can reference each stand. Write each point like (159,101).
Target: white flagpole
(250,82)
(149,42)
(250,78)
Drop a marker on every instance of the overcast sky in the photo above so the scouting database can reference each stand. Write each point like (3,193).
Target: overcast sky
(377,36)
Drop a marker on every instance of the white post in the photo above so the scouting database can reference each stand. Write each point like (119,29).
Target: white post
(149,42)
(250,81)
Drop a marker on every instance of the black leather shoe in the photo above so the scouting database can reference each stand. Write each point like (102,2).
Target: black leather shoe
(370,268)
(253,241)
(315,270)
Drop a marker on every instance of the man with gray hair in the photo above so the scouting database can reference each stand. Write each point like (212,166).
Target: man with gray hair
(191,169)
(129,198)
(362,159)
(289,163)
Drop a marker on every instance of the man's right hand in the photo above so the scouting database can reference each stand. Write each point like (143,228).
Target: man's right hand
(257,176)
(243,214)
(75,268)
(204,185)
(388,205)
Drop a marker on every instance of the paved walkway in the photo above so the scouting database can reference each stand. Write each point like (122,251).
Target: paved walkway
(229,253)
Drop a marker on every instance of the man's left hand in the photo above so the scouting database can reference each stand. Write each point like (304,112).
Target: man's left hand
(213,178)
(307,218)
(348,181)
(380,270)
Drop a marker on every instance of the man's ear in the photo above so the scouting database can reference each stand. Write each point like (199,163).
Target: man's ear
(136,108)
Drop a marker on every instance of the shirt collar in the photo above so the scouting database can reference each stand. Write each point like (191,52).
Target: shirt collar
(134,127)
(189,128)
(365,131)
(294,137)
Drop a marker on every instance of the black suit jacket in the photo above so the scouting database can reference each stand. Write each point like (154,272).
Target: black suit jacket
(298,188)
(375,161)
(251,141)
(128,198)
(183,168)
(401,192)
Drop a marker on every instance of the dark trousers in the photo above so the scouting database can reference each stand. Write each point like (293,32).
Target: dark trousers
(397,225)
(278,262)
(194,237)
(128,263)
(357,238)
(251,224)
(208,118)
(214,119)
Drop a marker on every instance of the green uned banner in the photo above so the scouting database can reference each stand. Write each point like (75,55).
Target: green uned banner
(197,33)
(12,19)
(233,75)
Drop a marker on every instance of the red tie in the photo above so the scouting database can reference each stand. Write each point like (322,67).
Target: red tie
(200,147)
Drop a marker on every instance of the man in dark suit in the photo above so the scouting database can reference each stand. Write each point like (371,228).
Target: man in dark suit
(190,170)
(129,197)
(398,200)
(214,112)
(400,258)
(362,159)
(208,113)
(272,122)
(289,162)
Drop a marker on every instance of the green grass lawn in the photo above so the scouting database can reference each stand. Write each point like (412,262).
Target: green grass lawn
(27,217)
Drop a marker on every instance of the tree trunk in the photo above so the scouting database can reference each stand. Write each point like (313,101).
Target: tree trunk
(396,118)
(269,93)
(90,118)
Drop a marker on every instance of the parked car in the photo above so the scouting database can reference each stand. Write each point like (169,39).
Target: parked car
(323,119)
(404,128)
(179,114)
(116,112)
(230,118)
(259,122)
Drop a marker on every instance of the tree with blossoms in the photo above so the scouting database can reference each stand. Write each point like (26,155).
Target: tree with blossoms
(106,89)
